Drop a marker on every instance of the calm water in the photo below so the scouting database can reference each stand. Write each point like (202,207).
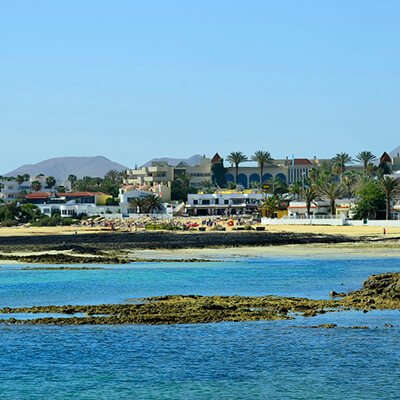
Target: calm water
(254,360)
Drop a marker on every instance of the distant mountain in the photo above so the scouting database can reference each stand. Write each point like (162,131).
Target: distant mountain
(62,167)
(394,152)
(192,161)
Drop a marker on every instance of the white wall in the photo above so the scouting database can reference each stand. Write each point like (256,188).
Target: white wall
(329,221)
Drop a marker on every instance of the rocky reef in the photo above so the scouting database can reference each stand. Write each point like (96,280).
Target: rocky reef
(378,292)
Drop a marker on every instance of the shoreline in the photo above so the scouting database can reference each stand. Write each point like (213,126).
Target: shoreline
(194,246)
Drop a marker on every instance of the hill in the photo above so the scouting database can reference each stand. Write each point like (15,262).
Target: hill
(394,152)
(62,167)
(192,161)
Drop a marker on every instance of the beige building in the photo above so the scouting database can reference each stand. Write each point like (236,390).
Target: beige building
(158,173)
(162,173)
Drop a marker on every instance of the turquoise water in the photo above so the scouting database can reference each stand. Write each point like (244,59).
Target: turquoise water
(252,360)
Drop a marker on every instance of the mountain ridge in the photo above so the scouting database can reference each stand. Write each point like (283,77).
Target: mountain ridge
(62,167)
(192,161)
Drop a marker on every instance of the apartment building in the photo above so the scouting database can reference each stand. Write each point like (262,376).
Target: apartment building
(224,203)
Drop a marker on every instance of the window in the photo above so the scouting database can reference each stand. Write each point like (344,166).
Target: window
(205,202)
(216,201)
(226,201)
(195,202)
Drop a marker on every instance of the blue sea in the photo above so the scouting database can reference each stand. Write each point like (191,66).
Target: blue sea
(246,360)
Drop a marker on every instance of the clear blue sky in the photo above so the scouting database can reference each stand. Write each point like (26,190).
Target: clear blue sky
(132,80)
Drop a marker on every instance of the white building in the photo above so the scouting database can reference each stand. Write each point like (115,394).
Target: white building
(223,203)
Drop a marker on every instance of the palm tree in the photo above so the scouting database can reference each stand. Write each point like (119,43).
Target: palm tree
(184,179)
(314,174)
(50,181)
(36,186)
(112,175)
(262,158)
(332,190)
(309,195)
(72,180)
(365,158)
(137,204)
(390,188)
(349,180)
(340,160)
(236,157)
(276,187)
(26,177)
(19,179)
(295,189)
(270,205)
(152,204)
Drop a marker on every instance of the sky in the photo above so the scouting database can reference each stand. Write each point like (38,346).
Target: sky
(133,80)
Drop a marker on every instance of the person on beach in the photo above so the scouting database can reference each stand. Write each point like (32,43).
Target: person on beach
(384,231)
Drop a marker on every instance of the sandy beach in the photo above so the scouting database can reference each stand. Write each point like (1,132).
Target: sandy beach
(359,231)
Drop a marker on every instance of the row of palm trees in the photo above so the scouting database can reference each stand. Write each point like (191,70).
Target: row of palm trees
(263,158)
(329,188)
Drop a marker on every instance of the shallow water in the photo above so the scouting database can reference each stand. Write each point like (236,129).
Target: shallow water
(247,360)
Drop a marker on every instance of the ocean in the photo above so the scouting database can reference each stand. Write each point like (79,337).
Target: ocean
(243,360)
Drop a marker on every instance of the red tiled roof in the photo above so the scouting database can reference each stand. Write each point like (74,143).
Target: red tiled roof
(302,161)
(81,194)
(216,158)
(45,195)
(385,157)
(38,195)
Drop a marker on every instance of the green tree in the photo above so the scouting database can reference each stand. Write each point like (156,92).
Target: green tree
(270,205)
(236,158)
(72,180)
(152,204)
(36,186)
(349,181)
(276,187)
(295,189)
(309,195)
(136,204)
(184,179)
(365,157)
(180,193)
(370,200)
(113,175)
(20,179)
(390,188)
(340,160)
(50,181)
(262,158)
(218,173)
(331,190)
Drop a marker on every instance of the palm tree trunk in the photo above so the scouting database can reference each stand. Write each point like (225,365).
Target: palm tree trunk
(308,205)
(333,207)
(261,174)
(387,207)
(236,172)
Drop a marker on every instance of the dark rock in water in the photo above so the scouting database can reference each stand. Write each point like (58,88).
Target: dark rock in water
(328,326)
(378,292)
(332,293)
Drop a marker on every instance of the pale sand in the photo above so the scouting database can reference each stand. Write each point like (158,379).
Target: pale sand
(328,230)
(317,251)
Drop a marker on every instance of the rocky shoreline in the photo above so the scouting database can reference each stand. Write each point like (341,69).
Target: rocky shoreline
(117,248)
(167,240)
(379,292)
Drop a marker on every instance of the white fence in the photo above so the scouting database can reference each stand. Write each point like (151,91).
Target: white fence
(326,220)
